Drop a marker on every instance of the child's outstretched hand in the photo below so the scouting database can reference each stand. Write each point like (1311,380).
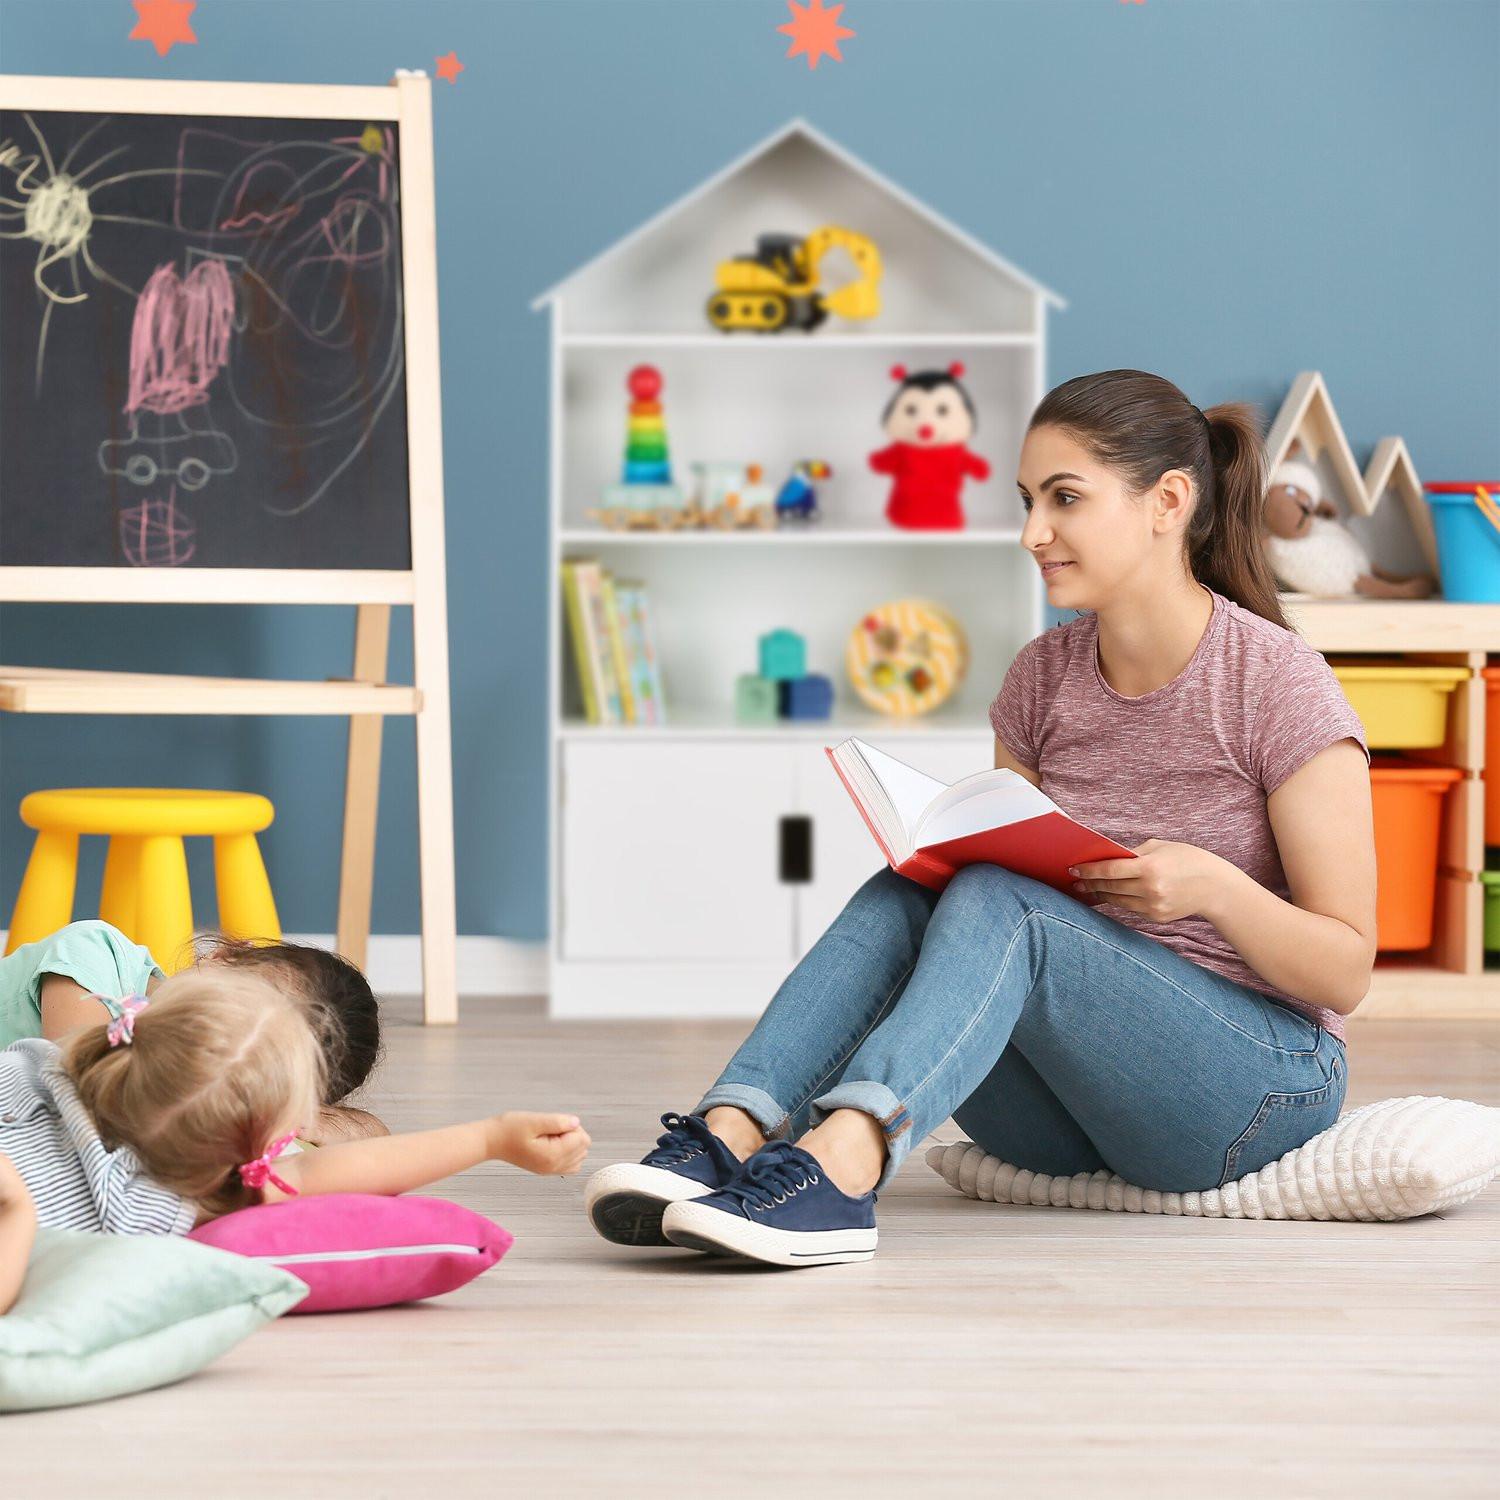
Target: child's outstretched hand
(550,1145)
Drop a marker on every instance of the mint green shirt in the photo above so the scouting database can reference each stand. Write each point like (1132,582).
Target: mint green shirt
(94,954)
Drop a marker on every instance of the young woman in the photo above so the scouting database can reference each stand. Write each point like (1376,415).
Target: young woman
(1182,1032)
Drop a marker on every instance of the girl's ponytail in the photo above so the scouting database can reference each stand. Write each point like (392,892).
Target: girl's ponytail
(220,1064)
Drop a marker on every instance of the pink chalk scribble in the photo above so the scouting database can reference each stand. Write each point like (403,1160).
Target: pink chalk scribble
(155,534)
(179,339)
(263,180)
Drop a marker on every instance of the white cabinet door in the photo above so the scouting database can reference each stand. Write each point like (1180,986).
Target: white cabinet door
(844,854)
(671,851)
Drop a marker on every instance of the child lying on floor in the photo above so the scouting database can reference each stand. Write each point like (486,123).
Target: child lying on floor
(48,988)
(176,1110)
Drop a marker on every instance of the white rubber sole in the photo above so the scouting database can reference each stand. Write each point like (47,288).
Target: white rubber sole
(697,1227)
(625,1202)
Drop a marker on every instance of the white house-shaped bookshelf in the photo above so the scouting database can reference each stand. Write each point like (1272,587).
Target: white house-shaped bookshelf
(690,915)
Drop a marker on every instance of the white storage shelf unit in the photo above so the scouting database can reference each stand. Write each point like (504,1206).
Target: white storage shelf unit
(667,896)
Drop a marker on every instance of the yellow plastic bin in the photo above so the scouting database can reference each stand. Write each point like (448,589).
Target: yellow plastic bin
(1402,706)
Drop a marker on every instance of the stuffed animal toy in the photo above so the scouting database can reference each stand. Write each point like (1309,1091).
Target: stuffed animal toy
(1312,552)
(929,422)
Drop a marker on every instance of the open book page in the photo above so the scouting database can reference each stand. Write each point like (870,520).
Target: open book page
(909,791)
(992,799)
(871,799)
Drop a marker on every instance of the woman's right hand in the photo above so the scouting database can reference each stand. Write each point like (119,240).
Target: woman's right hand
(550,1145)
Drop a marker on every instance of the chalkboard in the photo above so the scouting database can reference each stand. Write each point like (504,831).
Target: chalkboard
(202,359)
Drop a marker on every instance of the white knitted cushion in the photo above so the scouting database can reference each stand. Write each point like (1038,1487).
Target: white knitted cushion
(1394,1159)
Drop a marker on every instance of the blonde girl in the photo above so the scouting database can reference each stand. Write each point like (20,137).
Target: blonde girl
(51,986)
(177,1110)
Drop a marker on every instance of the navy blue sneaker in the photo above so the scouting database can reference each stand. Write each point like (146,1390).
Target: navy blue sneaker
(780,1208)
(626,1201)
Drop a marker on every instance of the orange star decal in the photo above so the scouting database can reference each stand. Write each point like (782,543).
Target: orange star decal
(815,31)
(449,67)
(163,22)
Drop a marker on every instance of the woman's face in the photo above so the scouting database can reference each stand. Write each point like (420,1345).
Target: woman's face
(1079,514)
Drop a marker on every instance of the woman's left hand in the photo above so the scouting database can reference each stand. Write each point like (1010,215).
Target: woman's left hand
(1164,882)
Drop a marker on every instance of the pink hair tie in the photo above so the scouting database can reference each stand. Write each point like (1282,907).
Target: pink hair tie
(257,1173)
(122,1028)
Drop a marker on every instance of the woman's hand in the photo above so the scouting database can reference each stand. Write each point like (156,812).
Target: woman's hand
(550,1145)
(1165,881)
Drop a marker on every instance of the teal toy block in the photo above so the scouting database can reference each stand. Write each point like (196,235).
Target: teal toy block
(754,700)
(783,655)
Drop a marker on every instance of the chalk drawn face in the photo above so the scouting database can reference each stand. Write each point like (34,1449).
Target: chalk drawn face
(929,418)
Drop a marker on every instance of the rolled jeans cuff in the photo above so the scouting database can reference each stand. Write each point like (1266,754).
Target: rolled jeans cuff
(876,1100)
(774,1121)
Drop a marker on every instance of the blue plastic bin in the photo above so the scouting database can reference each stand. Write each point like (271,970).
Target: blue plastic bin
(1468,541)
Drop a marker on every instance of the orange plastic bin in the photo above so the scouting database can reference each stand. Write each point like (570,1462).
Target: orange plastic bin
(1408,799)
(1491,677)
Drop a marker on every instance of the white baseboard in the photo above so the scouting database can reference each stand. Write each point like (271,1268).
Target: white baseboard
(638,990)
(486,965)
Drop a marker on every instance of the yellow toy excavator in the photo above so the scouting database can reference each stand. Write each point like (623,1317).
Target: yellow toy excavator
(777,287)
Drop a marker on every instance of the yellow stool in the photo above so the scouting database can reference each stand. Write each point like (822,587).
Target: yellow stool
(145,892)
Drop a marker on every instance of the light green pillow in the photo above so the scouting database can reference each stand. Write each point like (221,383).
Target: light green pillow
(102,1315)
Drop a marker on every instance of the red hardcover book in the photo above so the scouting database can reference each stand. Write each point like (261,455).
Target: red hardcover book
(928,831)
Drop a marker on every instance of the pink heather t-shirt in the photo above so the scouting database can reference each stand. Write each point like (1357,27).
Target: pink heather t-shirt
(1191,762)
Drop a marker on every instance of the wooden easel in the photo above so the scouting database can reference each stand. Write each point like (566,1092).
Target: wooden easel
(365,697)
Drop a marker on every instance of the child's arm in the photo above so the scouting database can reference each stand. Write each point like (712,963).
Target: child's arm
(66,1005)
(17,1231)
(394,1164)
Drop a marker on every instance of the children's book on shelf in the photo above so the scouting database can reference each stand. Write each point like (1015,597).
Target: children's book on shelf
(614,648)
(616,642)
(580,629)
(928,831)
(640,650)
(591,582)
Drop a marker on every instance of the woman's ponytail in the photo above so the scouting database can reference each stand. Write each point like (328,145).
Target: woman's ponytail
(1226,549)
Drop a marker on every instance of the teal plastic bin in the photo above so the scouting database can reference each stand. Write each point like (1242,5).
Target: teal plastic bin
(1466,520)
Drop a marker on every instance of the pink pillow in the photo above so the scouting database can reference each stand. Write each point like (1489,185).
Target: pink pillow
(361,1250)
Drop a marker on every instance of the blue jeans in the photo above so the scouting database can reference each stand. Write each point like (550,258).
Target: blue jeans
(1058,1038)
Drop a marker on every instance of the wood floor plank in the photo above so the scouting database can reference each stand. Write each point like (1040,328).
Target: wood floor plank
(984,1350)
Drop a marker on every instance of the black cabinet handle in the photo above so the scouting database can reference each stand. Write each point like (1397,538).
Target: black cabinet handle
(796,851)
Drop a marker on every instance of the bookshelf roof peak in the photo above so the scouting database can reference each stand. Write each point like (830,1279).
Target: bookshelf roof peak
(796,128)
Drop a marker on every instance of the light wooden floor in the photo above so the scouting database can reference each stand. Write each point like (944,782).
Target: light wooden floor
(985,1350)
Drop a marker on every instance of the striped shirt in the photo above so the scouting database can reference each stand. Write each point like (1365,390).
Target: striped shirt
(75,1181)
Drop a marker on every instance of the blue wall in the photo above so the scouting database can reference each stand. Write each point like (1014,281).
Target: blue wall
(1227,192)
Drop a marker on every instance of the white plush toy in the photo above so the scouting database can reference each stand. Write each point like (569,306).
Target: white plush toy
(1312,552)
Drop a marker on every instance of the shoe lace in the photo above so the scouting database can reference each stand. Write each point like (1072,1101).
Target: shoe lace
(683,1139)
(771,1176)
